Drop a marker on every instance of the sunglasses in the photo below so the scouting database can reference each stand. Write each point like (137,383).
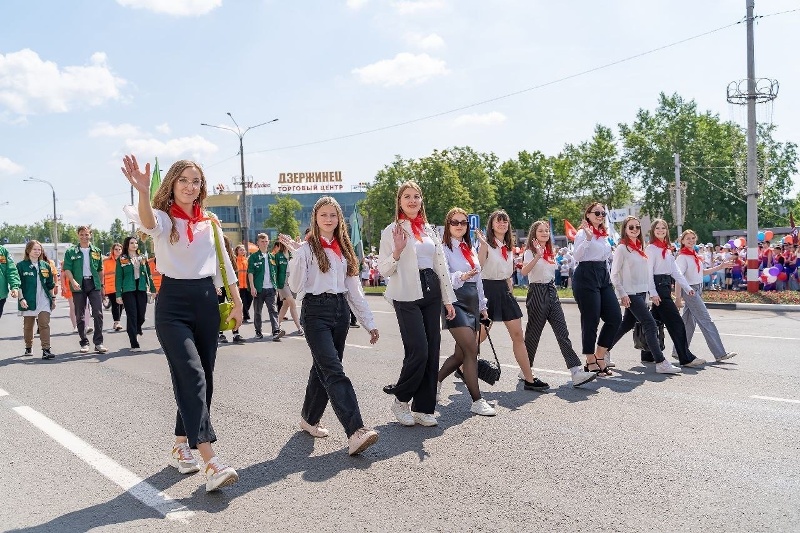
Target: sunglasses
(456,223)
(637,228)
(598,213)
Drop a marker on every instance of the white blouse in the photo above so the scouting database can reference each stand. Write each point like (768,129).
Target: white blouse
(426,251)
(594,249)
(458,265)
(665,265)
(305,277)
(687,266)
(495,267)
(542,271)
(631,273)
(185,260)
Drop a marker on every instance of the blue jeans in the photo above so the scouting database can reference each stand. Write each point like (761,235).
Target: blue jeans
(326,322)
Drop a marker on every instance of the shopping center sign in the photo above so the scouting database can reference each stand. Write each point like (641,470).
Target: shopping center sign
(310,181)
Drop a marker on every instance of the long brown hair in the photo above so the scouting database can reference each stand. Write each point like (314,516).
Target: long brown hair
(508,238)
(657,221)
(398,210)
(339,233)
(625,239)
(532,240)
(29,247)
(447,235)
(590,208)
(164,196)
(683,236)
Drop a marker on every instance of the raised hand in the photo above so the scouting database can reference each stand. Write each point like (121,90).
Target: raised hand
(400,238)
(587,228)
(480,236)
(538,251)
(290,243)
(140,180)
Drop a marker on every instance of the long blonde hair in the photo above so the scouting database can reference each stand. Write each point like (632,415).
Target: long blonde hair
(339,234)
(164,196)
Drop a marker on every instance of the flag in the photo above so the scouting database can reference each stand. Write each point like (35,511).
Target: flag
(611,229)
(569,230)
(355,234)
(155,181)
(794,228)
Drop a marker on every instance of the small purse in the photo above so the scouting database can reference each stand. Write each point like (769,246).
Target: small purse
(639,339)
(488,371)
(225,308)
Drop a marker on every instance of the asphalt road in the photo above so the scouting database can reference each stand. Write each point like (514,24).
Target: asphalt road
(85,439)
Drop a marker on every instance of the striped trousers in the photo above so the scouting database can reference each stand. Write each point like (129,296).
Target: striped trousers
(543,306)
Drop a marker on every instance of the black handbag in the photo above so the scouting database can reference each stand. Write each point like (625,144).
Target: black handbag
(639,339)
(488,371)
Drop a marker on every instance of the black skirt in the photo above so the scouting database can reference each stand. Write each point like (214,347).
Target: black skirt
(501,304)
(466,307)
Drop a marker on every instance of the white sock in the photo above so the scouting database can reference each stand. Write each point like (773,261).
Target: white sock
(575,369)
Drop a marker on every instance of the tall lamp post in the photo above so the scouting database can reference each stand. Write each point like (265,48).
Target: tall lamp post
(239,133)
(55,216)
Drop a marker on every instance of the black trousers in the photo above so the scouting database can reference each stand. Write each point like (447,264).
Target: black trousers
(543,307)
(668,314)
(135,308)
(420,331)
(262,298)
(2,305)
(247,301)
(592,289)
(89,295)
(638,312)
(187,320)
(116,309)
(325,319)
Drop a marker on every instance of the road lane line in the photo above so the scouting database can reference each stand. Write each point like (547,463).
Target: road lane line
(773,399)
(3,393)
(346,344)
(565,373)
(115,472)
(761,336)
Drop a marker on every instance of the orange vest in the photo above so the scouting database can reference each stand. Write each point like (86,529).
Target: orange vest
(156,275)
(109,275)
(241,270)
(66,292)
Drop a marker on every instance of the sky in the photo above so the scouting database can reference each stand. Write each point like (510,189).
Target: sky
(84,82)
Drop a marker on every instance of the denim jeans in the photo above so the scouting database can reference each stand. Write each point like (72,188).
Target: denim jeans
(638,312)
(326,322)
(262,297)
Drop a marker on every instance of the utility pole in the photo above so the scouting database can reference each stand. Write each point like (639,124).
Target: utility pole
(678,191)
(133,225)
(752,161)
(55,216)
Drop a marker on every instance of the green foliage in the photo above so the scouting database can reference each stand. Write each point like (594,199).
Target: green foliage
(281,215)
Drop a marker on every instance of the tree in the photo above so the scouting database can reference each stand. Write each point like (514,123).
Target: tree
(281,215)
(118,231)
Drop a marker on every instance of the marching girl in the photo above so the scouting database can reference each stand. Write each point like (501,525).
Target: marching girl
(412,259)
(187,311)
(469,305)
(695,311)
(36,296)
(497,265)
(632,276)
(593,291)
(539,265)
(282,256)
(132,283)
(324,272)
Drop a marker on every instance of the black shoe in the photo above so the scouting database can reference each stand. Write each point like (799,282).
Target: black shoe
(28,351)
(459,374)
(389,389)
(222,338)
(238,339)
(140,333)
(354,326)
(277,335)
(259,335)
(47,354)
(246,320)
(537,384)
(648,360)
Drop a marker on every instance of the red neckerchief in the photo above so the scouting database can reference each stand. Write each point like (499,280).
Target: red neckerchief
(417,225)
(548,255)
(599,232)
(334,246)
(690,252)
(197,216)
(636,245)
(503,249)
(467,251)
(664,245)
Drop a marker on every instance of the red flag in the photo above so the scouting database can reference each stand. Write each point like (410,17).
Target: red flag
(794,228)
(569,231)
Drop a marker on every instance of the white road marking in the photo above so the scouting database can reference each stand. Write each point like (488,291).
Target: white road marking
(346,344)
(565,373)
(3,393)
(761,336)
(130,482)
(773,399)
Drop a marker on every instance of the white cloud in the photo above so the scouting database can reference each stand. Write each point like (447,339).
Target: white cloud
(179,8)
(194,147)
(413,7)
(164,128)
(356,4)
(404,68)
(104,129)
(30,85)
(9,168)
(477,119)
(426,42)
(93,210)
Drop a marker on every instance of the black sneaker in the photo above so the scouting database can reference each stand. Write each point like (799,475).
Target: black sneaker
(389,389)
(537,384)
(28,351)
(222,338)
(259,335)
(277,335)
(354,326)
(238,339)
(47,354)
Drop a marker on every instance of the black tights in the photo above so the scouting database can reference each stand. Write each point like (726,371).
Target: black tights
(466,357)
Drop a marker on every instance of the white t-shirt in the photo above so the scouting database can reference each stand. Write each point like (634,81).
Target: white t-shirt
(87,265)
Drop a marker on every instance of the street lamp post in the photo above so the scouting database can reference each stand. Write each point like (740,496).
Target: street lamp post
(239,133)
(55,216)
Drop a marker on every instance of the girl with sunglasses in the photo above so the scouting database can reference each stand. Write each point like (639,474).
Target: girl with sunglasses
(593,291)
(497,264)
(470,304)
(632,276)
(539,265)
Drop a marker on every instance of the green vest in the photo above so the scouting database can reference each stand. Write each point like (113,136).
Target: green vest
(281,265)
(28,274)
(73,261)
(9,276)
(126,282)
(257,267)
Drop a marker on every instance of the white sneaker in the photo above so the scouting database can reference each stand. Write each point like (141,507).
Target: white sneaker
(361,440)
(85,349)
(696,362)
(580,377)
(402,412)
(318,431)
(183,460)
(218,475)
(482,407)
(100,349)
(438,392)
(728,355)
(424,419)
(665,367)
